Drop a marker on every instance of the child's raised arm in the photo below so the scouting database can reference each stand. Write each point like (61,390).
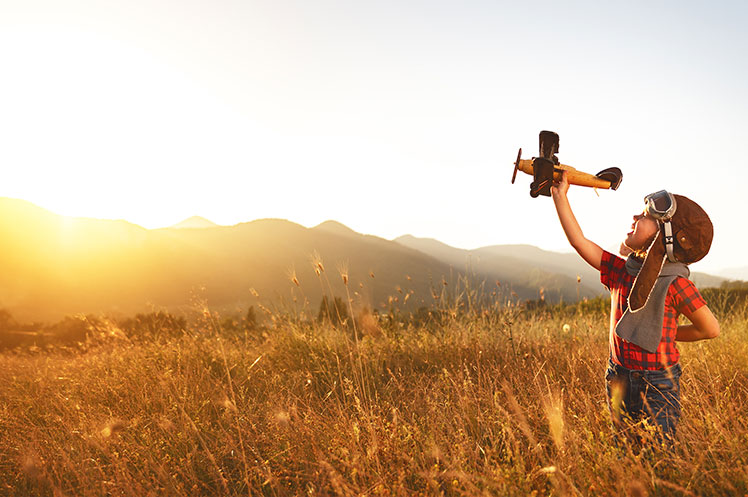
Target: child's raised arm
(589,251)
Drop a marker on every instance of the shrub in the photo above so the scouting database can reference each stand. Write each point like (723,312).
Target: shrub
(154,325)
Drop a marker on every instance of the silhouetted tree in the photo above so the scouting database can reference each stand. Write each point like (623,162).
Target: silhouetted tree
(250,320)
(154,325)
(335,312)
(7,322)
(71,329)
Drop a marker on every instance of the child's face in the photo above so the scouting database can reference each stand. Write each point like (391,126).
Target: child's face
(642,232)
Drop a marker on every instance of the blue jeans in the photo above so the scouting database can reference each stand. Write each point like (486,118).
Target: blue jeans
(635,395)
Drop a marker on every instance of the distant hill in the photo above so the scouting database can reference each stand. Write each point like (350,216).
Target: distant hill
(567,264)
(336,228)
(571,264)
(195,222)
(704,280)
(522,266)
(735,273)
(53,266)
(531,265)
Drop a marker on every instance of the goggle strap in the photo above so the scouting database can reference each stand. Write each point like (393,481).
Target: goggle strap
(669,241)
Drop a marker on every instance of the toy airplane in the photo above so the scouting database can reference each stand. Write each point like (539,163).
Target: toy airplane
(546,169)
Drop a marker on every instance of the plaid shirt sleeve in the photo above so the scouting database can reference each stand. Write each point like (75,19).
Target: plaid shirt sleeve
(611,268)
(686,298)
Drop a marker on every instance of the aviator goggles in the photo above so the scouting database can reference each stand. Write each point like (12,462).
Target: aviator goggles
(661,206)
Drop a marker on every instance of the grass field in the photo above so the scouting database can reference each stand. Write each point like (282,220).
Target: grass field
(482,404)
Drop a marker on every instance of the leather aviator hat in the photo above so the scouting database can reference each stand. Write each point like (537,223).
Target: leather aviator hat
(685,235)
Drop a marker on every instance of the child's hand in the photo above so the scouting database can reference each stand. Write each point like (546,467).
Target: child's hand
(560,188)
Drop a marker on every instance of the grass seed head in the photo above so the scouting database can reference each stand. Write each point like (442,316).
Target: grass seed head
(369,324)
(554,413)
(317,263)
(616,399)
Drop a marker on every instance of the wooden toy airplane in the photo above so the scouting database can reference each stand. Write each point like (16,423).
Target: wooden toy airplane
(546,169)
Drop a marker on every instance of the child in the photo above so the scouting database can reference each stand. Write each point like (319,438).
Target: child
(648,291)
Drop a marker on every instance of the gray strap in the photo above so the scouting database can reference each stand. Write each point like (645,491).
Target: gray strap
(669,241)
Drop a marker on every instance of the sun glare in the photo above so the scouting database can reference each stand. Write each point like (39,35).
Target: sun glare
(118,130)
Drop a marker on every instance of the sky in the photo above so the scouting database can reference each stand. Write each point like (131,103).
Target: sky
(392,117)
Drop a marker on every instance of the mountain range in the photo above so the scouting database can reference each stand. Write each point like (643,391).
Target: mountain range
(53,266)
(734,273)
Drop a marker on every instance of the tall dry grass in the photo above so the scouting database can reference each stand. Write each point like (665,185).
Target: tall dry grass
(496,403)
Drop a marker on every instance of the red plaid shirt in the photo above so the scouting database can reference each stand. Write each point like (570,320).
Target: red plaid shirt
(682,298)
